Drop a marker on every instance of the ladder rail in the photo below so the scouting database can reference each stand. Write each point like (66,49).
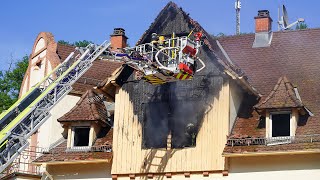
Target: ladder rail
(45,81)
(21,100)
(37,112)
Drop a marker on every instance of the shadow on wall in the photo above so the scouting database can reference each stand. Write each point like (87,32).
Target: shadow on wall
(158,156)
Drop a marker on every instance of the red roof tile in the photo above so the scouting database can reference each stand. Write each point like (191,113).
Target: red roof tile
(64,51)
(99,71)
(88,108)
(294,54)
(282,96)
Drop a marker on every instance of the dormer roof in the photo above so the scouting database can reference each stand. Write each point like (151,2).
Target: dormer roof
(283,95)
(89,108)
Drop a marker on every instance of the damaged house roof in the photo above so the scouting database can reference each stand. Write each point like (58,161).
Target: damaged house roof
(294,54)
(174,19)
(187,100)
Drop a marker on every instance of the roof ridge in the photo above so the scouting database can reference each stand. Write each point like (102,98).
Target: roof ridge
(169,4)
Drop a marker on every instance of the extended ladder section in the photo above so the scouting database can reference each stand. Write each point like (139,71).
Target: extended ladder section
(25,116)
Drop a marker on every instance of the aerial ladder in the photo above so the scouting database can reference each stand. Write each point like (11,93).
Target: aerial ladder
(161,61)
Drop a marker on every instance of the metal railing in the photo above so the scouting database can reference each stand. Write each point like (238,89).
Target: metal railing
(23,163)
(273,140)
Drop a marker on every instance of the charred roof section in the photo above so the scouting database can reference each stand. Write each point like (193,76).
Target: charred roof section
(177,108)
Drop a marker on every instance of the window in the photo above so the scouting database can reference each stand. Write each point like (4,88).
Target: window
(39,64)
(81,136)
(180,118)
(280,124)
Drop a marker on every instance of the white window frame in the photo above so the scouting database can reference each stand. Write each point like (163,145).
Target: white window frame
(73,134)
(281,139)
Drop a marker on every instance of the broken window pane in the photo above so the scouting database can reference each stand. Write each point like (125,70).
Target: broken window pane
(81,136)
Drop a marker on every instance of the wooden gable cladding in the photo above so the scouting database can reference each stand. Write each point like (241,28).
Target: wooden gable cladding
(208,96)
(130,157)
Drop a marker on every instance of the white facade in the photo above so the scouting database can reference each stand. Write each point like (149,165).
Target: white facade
(293,167)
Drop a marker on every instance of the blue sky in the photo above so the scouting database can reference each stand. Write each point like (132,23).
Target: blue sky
(72,20)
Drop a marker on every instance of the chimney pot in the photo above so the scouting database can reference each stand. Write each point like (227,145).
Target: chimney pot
(119,31)
(118,39)
(263,13)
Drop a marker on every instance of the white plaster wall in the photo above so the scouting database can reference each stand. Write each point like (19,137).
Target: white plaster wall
(41,55)
(51,130)
(101,171)
(275,167)
(236,96)
(37,75)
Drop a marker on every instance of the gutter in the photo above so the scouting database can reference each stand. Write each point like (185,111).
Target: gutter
(91,161)
(270,153)
(244,83)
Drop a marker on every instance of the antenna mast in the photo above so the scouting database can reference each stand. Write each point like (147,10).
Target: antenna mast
(237,6)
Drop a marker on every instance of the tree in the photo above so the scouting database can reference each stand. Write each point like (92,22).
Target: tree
(83,43)
(10,82)
(64,42)
(301,25)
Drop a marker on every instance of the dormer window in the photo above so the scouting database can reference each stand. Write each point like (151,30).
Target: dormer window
(281,109)
(86,119)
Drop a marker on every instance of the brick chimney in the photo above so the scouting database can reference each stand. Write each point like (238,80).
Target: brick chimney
(263,21)
(263,35)
(118,39)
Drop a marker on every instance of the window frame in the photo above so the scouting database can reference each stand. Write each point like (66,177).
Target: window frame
(73,136)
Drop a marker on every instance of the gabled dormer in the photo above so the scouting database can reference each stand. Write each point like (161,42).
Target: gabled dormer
(281,109)
(92,114)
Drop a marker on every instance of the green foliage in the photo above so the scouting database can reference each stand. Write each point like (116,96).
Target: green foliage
(83,43)
(64,42)
(301,25)
(10,82)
